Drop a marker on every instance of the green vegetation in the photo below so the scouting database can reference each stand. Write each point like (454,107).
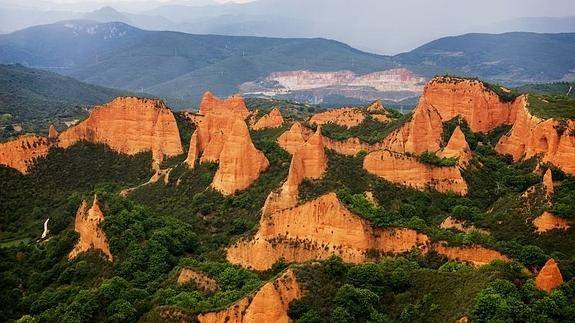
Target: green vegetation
(559,107)
(431,158)
(550,89)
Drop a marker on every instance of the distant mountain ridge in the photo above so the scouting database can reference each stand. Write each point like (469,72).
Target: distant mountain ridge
(183,66)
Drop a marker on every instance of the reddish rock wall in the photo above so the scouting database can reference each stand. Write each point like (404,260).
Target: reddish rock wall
(201,280)
(294,138)
(406,170)
(92,236)
(273,119)
(475,255)
(129,125)
(20,153)
(269,304)
(548,221)
(549,277)
(345,117)
(457,147)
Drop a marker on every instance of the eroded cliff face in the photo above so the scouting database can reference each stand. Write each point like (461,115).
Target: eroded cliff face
(317,230)
(345,117)
(294,138)
(549,277)
(129,125)
(455,224)
(273,119)
(20,153)
(548,221)
(87,224)
(406,170)
(531,136)
(201,280)
(421,133)
(548,183)
(308,162)
(457,147)
(52,132)
(240,162)
(479,106)
(222,136)
(269,304)
(475,255)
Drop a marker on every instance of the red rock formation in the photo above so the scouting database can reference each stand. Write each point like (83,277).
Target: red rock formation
(129,125)
(452,223)
(201,280)
(479,106)
(475,255)
(421,133)
(317,230)
(21,153)
(381,118)
(345,117)
(548,221)
(222,136)
(531,136)
(52,133)
(269,304)
(240,162)
(273,119)
(294,138)
(406,170)
(233,105)
(92,236)
(548,183)
(457,147)
(376,107)
(349,147)
(549,277)
(308,162)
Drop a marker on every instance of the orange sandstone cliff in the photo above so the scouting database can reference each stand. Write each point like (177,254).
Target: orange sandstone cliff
(548,221)
(532,136)
(406,170)
(92,236)
(273,119)
(294,138)
(549,277)
(482,108)
(201,280)
(308,162)
(317,230)
(548,183)
(269,304)
(222,136)
(129,125)
(21,153)
(457,147)
(345,117)
(475,255)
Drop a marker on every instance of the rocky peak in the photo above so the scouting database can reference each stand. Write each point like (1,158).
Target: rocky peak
(294,138)
(548,221)
(421,133)
(273,119)
(376,106)
(130,126)
(240,162)
(481,107)
(308,162)
(87,224)
(549,277)
(457,147)
(234,105)
(52,133)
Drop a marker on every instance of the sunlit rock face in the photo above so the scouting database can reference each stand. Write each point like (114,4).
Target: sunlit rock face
(222,136)
(201,280)
(294,138)
(532,136)
(475,255)
(408,171)
(21,153)
(481,107)
(547,221)
(271,120)
(308,162)
(549,277)
(317,230)
(457,147)
(269,304)
(87,224)
(345,117)
(129,125)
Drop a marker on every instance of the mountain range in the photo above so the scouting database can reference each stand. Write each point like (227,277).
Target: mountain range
(183,66)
